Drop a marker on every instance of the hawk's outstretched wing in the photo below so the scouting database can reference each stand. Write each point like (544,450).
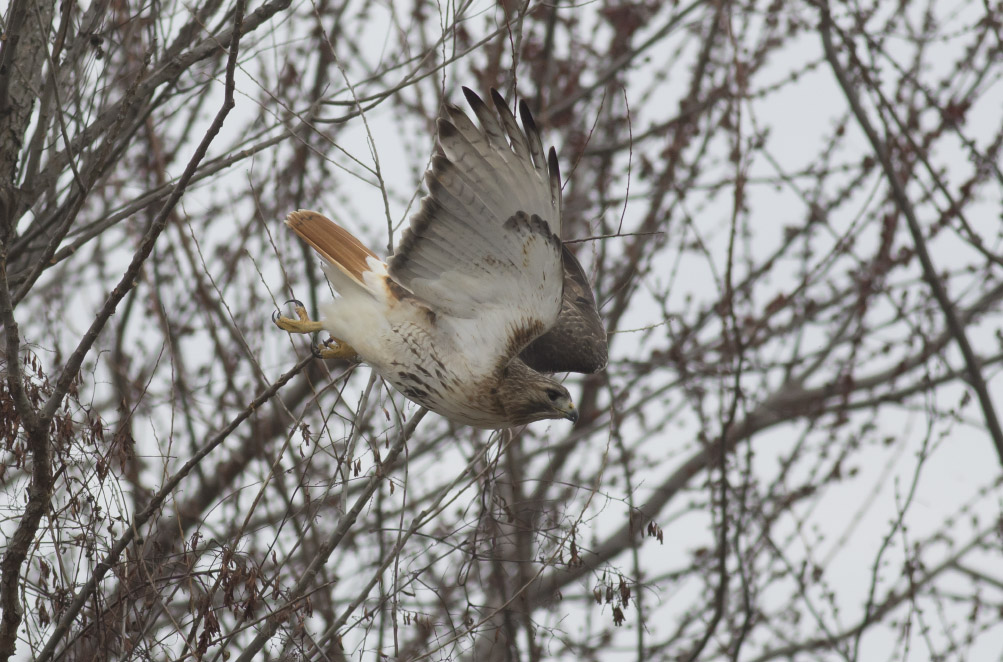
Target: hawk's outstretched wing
(485,246)
(577,341)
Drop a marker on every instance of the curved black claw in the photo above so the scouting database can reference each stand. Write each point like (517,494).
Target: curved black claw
(276,314)
(317,349)
(295,302)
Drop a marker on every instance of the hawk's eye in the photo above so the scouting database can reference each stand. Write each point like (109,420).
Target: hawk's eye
(553,394)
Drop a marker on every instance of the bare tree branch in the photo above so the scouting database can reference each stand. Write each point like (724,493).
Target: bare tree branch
(975,377)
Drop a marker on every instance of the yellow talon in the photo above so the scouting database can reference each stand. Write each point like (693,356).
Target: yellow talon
(332,348)
(302,325)
(339,350)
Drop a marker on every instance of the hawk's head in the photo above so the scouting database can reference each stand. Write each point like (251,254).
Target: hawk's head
(528,396)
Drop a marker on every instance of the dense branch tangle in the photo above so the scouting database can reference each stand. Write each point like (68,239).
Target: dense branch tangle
(812,369)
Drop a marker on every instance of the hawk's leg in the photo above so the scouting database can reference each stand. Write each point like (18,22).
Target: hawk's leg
(301,325)
(332,348)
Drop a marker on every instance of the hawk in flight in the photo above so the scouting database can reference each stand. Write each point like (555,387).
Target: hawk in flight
(481,298)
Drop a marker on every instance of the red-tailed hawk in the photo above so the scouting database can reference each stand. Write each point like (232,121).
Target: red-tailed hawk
(481,297)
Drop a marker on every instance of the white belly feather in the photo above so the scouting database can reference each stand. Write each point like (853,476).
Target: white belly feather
(403,342)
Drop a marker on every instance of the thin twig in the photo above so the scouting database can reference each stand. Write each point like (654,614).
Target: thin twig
(153,507)
(303,586)
(975,378)
(125,285)
(41,473)
(130,277)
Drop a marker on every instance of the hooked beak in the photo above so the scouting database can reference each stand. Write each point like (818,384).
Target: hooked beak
(570,412)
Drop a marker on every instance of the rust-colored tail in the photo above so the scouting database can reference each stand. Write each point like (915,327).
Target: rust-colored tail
(334,243)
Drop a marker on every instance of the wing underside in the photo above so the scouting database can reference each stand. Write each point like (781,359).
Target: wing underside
(484,247)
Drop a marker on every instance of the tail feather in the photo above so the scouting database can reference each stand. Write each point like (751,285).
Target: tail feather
(335,244)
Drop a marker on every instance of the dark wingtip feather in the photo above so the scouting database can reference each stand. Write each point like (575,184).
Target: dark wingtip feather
(499,101)
(472,98)
(440,165)
(455,115)
(518,139)
(556,192)
(527,117)
(555,167)
(504,111)
(532,133)
(445,128)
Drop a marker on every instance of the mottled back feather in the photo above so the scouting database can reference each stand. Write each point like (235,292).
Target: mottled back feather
(577,341)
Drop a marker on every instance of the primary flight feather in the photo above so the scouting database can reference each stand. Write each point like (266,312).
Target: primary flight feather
(481,297)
